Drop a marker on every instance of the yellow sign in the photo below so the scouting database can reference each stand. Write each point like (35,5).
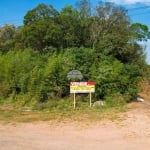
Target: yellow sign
(82,87)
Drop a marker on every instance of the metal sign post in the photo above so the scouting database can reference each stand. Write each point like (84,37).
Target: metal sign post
(74,100)
(82,87)
(90,99)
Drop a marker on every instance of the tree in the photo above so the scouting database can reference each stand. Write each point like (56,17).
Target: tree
(54,82)
(84,8)
(110,22)
(113,34)
(6,37)
(42,11)
(70,27)
(82,59)
(40,28)
(18,39)
(141,31)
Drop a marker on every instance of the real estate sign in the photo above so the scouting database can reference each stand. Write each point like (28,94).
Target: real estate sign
(82,87)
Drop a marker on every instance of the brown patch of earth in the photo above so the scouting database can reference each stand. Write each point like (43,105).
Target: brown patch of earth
(131,133)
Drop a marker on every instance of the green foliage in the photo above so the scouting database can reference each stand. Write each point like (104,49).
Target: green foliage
(41,29)
(141,31)
(103,46)
(117,101)
(6,38)
(111,77)
(105,74)
(15,71)
(54,82)
(84,56)
(42,11)
(131,76)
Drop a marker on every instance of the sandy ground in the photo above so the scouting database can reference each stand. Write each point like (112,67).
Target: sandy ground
(131,133)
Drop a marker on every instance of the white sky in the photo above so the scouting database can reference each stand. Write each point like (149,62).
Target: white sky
(130,1)
(148,52)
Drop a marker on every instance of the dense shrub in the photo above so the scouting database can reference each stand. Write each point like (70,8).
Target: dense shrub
(45,77)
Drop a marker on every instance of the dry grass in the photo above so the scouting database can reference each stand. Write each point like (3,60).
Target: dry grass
(9,114)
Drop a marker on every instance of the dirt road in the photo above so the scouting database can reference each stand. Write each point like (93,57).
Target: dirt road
(132,133)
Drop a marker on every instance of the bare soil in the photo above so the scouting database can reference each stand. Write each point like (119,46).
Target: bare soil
(132,132)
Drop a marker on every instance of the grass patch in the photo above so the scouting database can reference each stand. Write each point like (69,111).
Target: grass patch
(60,111)
(59,116)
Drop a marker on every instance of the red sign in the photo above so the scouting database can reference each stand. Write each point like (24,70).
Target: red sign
(82,87)
(81,83)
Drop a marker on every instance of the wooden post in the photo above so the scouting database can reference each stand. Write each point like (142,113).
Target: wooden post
(74,100)
(90,99)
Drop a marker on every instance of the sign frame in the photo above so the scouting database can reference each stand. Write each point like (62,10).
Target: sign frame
(82,87)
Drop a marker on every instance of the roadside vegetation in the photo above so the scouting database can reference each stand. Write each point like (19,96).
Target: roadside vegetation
(102,43)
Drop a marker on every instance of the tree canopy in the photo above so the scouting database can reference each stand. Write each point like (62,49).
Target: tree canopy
(101,42)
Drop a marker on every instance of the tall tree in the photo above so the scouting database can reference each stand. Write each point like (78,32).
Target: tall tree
(18,39)
(111,32)
(40,27)
(42,11)
(141,31)
(70,26)
(85,9)
(6,37)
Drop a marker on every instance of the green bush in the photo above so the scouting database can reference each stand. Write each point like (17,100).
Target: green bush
(44,77)
(112,76)
(115,100)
